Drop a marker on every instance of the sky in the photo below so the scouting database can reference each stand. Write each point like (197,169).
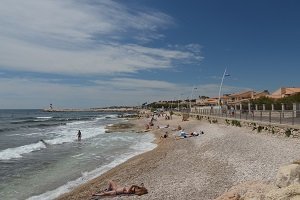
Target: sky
(97,53)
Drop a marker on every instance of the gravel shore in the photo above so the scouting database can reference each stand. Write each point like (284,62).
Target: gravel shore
(201,167)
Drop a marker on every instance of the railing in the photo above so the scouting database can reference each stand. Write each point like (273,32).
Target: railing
(290,117)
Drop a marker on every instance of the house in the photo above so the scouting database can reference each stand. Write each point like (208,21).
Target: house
(284,92)
(213,101)
(246,96)
(241,97)
(261,94)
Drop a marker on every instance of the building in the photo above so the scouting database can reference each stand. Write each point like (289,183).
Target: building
(284,92)
(246,96)
(213,101)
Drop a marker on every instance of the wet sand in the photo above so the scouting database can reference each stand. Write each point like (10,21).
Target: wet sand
(201,167)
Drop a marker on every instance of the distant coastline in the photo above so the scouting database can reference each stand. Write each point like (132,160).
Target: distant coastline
(119,109)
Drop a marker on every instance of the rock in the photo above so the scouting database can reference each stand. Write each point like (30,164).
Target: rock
(119,127)
(288,175)
(251,190)
(296,162)
(229,196)
(291,192)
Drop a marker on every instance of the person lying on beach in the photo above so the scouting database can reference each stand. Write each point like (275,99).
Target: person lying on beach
(177,129)
(114,189)
(182,135)
(185,135)
(166,126)
(165,135)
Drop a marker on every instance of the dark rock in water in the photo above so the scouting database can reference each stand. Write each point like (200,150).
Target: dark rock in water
(120,127)
(126,115)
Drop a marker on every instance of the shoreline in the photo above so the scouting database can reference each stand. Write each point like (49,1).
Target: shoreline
(203,167)
(140,162)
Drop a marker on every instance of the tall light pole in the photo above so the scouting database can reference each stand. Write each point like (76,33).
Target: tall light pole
(194,88)
(179,99)
(219,100)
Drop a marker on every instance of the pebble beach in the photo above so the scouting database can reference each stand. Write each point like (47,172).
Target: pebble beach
(201,167)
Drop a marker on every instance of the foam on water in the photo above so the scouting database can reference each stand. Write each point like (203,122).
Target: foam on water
(65,134)
(13,153)
(49,117)
(31,167)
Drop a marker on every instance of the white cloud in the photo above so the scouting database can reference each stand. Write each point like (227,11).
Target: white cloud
(38,93)
(84,38)
(74,21)
(138,84)
(73,37)
(109,58)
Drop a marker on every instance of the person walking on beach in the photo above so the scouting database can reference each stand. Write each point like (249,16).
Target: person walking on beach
(79,135)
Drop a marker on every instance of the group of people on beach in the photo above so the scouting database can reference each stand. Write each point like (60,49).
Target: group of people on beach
(114,189)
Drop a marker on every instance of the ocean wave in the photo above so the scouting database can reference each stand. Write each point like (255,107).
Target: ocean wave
(66,136)
(44,117)
(49,120)
(6,129)
(17,152)
(86,176)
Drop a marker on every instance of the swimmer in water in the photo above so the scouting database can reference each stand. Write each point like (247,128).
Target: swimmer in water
(44,142)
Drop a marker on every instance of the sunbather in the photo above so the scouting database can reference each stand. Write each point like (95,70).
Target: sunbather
(196,133)
(183,135)
(114,189)
(165,135)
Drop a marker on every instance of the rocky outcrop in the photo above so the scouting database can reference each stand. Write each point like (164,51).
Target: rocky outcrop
(288,175)
(291,192)
(254,190)
(286,187)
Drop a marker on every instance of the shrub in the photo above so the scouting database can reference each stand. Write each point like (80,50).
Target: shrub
(259,128)
(236,123)
(215,121)
(288,132)
(227,121)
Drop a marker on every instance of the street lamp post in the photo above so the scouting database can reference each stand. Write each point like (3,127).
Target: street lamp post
(219,100)
(194,88)
(180,98)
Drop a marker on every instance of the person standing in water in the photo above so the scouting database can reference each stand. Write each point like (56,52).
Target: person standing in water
(79,135)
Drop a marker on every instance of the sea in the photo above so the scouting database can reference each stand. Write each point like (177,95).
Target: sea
(41,157)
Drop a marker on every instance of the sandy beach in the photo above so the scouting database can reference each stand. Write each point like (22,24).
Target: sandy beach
(201,167)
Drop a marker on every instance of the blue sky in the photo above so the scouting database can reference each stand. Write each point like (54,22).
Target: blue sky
(81,54)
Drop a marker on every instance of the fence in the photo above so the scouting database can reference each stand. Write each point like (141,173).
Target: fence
(289,117)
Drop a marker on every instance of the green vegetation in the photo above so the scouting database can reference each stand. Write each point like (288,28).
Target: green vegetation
(227,121)
(288,132)
(236,123)
(277,102)
(214,121)
(260,128)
